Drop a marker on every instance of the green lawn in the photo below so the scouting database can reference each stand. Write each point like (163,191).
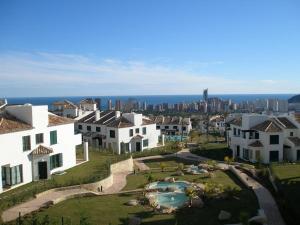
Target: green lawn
(169,162)
(216,151)
(112,209)
(288,181)
(96,169)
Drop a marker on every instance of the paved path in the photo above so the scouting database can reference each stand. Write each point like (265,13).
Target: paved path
(119,182)
(37,203)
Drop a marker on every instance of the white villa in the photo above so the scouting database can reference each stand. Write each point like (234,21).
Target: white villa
(173,125)
(69,109)
(34,144)
(127,132)
(255,137)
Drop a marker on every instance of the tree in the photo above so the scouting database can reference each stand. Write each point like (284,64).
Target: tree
(162,166)
(150,178)
(191,193)
(180,166)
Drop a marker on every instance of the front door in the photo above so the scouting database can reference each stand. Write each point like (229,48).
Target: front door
(43,170)
(238,151)
(138,146)
(274,156)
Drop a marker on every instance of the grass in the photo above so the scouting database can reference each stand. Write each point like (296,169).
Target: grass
(216,151)
(169,148)
(112,209)
(287,178)
(96,169)
(169,162)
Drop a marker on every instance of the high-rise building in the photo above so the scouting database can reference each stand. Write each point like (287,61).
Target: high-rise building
(144,106)
(118,106)
(109,104)
(205,95)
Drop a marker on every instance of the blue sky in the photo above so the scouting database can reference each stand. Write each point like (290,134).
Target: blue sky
(139,47)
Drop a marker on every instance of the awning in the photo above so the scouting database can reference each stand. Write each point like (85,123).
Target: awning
(42,150)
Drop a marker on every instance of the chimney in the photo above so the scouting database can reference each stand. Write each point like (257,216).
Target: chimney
(97,115)
(117,114)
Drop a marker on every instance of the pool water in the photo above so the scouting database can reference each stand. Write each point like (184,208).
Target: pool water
(178,185)
(171,199)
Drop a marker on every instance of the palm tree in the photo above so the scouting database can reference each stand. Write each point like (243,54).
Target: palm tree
(162,166)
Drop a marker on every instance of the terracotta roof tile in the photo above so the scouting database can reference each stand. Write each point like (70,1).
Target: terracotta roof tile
(267,126)
(286,123)
(256,144)
(236,121)
(295,140)
(42,150)
(58,120)
(9,124)
(121,122)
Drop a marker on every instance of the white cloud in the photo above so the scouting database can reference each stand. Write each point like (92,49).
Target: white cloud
(66,74)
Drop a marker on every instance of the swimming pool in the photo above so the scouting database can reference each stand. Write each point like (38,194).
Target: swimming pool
(171,199)
(164,185)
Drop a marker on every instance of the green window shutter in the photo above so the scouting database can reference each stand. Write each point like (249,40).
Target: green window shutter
(53,137)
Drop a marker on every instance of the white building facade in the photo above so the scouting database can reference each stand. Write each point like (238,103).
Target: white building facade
(262,138)
(127,132)
(173,125)
(34,144)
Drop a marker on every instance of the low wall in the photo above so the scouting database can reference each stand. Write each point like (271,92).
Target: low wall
(123,166)
(241,178)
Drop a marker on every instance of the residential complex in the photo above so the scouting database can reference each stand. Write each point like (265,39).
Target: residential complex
(169,125)
(121,132)
(255,137)
(34,144)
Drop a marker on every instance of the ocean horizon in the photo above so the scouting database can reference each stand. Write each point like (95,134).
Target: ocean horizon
(149,99)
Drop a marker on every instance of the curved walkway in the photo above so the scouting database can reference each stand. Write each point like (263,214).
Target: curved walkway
(48,198)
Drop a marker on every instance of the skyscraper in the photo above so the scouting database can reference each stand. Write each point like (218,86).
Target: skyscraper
(118,105)
(98,102)
(205,95)
(109,104)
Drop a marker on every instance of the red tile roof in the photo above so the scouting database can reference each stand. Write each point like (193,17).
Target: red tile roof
(9,124)
(267,126)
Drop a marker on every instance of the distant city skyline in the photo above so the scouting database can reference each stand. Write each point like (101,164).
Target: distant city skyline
(121,48)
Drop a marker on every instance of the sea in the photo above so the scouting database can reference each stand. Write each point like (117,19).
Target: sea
(149,99)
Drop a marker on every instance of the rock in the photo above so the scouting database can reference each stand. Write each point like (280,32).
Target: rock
(197,203)
(259,219)
(132,202)
(180,173)
(200,186)
(134,221)
(224,215)
(169,179)
(171,189)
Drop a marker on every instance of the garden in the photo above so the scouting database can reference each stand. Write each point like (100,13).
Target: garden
(221,192)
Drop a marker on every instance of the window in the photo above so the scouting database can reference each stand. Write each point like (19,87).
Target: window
(56,161)
(16,174)
(39,138)
(175,127)
(98,129)
(298,155)
(274,156)
(53,137)
(130,132)
(112,134)
(184,128)
(166,127)
(137,130)
(144,130)
(234,131)
(239,132)
(274,139)
(26,143)
(89,128)
(244,134)
(256,135)
(157,127)
(80,127)
(145,143)
(291,134)
(246,154)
